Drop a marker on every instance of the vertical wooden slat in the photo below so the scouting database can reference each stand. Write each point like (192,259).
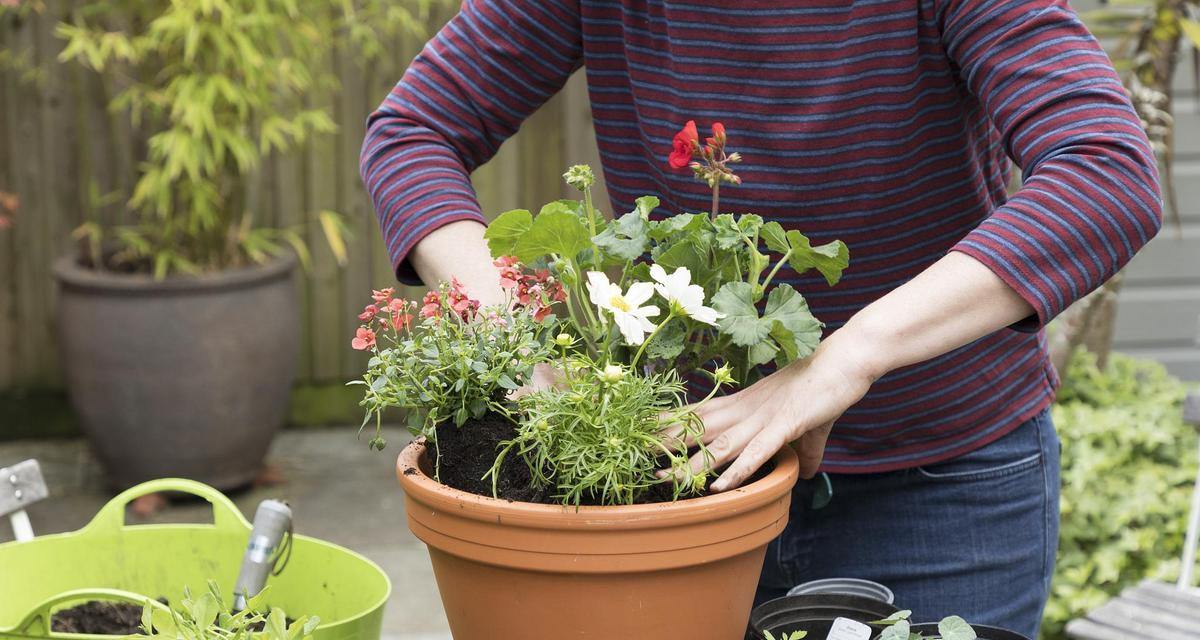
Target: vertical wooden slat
(288,197)
(320,183)
(351,113)
(30,182)
(9,371)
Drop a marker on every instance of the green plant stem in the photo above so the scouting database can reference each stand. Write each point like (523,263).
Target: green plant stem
(716,200)
(646,342)
(778,265)
(591,216)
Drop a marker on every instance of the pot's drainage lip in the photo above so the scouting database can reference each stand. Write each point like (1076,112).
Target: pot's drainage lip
(847,586)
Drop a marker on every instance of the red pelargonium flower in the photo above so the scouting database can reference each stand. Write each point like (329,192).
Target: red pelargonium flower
(364,339)
(684,146)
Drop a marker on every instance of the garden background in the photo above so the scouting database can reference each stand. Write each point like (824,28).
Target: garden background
(1129,458)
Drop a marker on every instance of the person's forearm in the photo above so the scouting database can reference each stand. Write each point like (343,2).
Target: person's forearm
(458,250)
(955,301)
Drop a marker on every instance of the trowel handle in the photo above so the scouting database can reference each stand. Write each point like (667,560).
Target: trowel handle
(22,530)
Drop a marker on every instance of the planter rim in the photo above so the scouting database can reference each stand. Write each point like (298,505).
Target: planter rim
(70,273)
(657,515)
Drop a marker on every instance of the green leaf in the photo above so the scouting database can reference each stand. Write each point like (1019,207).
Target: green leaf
(775,237)
(741,321)
(555,232)
(788,309)
(669,342)
(645,205)
(955,628)
(504,232)
(729,235)
(898,631)
(1191,29)
(688,253)
(785,318)
(334,227)
(626,238)
(683,223)
(830,259)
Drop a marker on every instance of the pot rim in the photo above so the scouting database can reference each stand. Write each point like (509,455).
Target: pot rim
(424,489)
(70,273)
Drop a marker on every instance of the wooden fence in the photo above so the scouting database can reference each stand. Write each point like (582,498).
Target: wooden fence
(57,139)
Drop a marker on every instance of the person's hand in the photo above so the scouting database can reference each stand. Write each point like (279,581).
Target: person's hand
(797,404)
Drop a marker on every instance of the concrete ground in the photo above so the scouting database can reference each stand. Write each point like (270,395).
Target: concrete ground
(339,490)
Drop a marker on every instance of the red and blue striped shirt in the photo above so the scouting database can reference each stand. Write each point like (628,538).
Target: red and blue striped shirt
(886,123)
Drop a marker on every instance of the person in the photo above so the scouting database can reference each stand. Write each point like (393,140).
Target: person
(888,124)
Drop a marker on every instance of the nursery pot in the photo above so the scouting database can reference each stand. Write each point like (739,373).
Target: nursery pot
(521,571)
(984,632)
(815,613)
(186,376)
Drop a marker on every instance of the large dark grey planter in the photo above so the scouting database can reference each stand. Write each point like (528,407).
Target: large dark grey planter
(185,377)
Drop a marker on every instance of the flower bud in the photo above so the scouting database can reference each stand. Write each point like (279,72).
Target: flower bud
(723,375)
(563,340)
(613,373)
(580,176)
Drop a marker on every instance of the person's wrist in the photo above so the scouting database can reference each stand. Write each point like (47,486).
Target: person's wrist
(862,354)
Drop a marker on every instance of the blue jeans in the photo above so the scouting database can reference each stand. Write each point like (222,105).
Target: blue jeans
(974,536)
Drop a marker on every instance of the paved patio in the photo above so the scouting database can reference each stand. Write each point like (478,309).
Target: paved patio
(339,490)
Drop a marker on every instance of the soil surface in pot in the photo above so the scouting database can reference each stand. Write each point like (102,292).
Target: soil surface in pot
(467,453)
(100,618)
(112,619)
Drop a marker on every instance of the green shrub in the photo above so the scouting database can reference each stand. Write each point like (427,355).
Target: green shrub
(1129,463)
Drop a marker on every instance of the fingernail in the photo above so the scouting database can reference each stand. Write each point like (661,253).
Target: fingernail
(661,474)
(716,487)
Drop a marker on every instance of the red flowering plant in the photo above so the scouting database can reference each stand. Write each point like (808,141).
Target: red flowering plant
(446,359)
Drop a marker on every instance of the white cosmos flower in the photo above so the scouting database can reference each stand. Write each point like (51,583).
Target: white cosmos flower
(683,295)
(631,318)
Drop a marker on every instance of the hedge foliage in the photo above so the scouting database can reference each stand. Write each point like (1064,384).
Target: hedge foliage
(1129,463)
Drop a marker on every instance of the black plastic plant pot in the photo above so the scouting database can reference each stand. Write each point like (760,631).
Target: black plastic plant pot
(814,613)
(984,632)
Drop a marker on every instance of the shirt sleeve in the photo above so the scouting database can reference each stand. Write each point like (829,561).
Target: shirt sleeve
(468,91)
(1091,194)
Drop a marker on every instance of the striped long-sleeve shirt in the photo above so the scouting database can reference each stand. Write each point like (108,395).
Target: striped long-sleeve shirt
(885,123)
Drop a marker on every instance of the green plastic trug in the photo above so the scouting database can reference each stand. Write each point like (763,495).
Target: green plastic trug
(110,560)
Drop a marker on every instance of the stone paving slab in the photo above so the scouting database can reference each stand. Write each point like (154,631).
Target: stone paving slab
(339,490)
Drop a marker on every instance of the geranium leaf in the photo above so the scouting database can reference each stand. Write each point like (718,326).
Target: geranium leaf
(504,232)
(626,238)
(645,205)
(775,237)
(788,308)
(898,631)
(741,321)
(955,628)
(686,253)
(682,223)
(830,258)
(556,232)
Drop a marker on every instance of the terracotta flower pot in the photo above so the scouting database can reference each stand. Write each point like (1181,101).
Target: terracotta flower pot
(522,571)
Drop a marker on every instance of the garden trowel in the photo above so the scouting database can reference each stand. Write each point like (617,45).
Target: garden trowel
(20,486)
